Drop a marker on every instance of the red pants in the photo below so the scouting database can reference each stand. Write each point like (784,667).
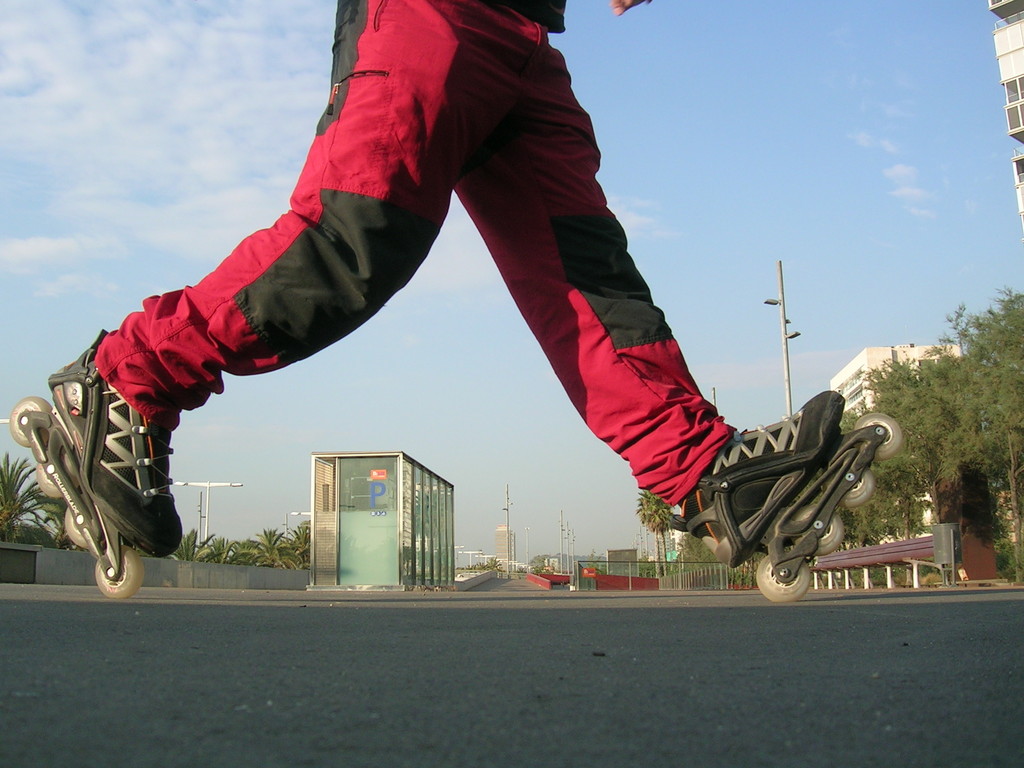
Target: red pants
(431,96)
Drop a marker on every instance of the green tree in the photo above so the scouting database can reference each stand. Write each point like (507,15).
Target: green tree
(693,550)
(539,563)
(926,399)
(656,516)
(188,547)
(494,564)
(993,348)
(298,541)
(269,549)
(25,512)
(963,417)
(933,402)
(217,550)
(53,510)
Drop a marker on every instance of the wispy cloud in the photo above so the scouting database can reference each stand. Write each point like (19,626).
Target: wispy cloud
(903,177)
(906,189)
(167,122)
(76,284)
(32,255)
(868,141)
(176,128)
(640,218)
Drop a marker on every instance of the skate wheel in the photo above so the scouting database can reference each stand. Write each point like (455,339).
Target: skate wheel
(893,443)
(46,482)
(132,573)
(861,492)
(833,538)
(780,592)
(26,405)
(74,535)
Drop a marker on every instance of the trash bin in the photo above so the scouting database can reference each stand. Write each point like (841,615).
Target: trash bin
(946,543)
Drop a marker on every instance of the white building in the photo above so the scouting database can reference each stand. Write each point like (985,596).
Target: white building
(851,381)
(1009,43)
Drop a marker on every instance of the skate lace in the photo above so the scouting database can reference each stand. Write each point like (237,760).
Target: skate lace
(760,441)
(135,452)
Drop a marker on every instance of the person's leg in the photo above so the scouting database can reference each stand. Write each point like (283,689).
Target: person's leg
(536,201)
(418,84)
(534,196)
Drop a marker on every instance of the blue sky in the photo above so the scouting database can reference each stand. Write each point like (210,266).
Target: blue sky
(863,144)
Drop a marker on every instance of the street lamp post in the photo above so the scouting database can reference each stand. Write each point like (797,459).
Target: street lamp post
(786,336)
(508,537)
(205,515)
(572,557)
(561,538)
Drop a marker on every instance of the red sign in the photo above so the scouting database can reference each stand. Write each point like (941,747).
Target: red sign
(378,474)
(589,573)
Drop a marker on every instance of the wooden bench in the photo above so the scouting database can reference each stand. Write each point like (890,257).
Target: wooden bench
(909,552)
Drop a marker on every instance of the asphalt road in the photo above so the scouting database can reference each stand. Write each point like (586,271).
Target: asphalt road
(510,678)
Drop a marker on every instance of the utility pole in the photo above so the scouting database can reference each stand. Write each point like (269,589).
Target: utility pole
(508,537)
(786,336)
(204,533)
(561,536)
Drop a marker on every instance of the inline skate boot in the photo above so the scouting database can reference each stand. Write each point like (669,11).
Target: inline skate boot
(111,467)
(776,489)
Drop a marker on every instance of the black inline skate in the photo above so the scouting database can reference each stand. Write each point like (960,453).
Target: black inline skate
(109,464)
(776,489)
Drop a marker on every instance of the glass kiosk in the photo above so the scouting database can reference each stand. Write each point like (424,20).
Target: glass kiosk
(380,521)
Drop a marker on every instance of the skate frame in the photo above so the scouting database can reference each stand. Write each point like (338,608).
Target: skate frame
(808,518)
(58,462)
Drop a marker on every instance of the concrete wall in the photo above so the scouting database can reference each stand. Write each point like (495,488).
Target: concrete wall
(467,581)
(549,580)
(17,563)
(58,566)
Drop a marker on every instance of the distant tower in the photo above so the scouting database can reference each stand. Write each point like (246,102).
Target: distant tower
(1009,41)
(505,546)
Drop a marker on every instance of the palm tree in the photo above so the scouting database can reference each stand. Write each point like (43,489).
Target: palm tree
(270,549)
(299,543)
(494,564)
(656,516)
(217,550)
(54,510)
(188,547)
(24,509)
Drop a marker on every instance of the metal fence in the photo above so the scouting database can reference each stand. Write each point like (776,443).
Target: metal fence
(651,575)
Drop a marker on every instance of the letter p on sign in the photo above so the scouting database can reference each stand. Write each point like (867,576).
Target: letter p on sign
(376,491)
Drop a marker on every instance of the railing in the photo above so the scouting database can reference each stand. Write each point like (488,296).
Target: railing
(1009,19)
(650,575)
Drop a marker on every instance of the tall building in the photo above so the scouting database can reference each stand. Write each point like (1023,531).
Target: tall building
(851,381)
(1009,42)
(505,546)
